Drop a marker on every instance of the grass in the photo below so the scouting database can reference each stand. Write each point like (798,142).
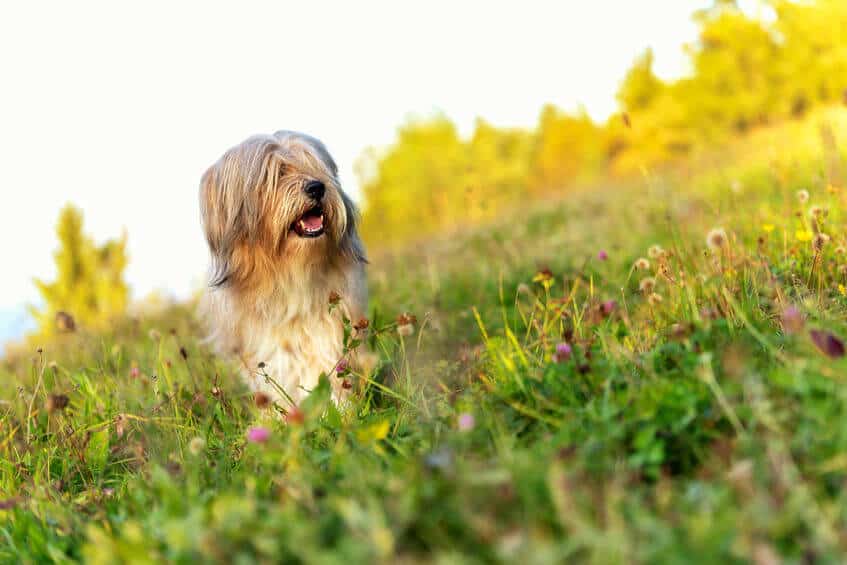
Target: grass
(551,405)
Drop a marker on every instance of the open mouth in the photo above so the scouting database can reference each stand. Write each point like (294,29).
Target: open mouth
(310,224)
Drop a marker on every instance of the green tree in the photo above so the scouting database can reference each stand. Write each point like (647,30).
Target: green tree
(89,286)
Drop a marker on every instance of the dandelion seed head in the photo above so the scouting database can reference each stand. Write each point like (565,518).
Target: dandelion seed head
(196,445)
(803,196)
(716,239)
(647,285)
(655,252)
(642,264)
(819,241)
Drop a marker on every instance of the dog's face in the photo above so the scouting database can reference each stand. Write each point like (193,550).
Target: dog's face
(274,202)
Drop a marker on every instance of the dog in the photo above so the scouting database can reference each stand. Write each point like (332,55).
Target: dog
(287,264)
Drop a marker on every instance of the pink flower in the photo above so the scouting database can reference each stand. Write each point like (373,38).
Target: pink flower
(258,435)
(466,422)
(563,353)
(341,366)
(608,307)
(134,372)
(602,255)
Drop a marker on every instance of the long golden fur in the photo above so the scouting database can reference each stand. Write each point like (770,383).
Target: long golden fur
(270,282)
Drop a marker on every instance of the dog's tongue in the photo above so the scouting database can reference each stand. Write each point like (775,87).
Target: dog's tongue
(312,223)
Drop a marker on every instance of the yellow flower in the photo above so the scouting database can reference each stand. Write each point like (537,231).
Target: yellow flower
(842,290)
(832,189)
(804,235)
(768,228)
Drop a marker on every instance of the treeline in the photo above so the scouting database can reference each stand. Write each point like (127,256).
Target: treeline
(745,72)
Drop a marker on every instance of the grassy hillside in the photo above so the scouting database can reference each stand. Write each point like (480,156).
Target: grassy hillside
(649,374)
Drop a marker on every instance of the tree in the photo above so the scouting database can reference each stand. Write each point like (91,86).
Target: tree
(89,288)
(640,87)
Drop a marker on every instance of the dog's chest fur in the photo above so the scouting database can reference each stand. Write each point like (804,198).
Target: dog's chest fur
(291,331)
(295,349)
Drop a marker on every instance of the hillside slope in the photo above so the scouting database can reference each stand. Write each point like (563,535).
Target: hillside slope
(643,375)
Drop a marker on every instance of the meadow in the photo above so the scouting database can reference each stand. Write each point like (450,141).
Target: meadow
(645,373)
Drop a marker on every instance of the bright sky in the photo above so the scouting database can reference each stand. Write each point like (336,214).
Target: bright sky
(119,108)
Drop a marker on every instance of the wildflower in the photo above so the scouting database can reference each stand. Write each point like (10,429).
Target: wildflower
(602,255)
(803,196)
(768,228)
(655,252)
(647,285)
(295,416)
(56,403)
(341,367)
(134,372)
(334,298)
(842,290)
(654,299)
(258,435)
(816,212)
(362,324)
(196,445)
(154,334)
(819,241)
(543,275)
(840,250)
(803,235)
(346,384)
(792,320)
(261,400)
(563,352)
(642,264)
(716,239)
(523,288)
(608,307)
(832,189)
(466,422)
(827,343)
(406,324)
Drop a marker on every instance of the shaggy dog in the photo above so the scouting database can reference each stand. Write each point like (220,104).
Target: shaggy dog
(283,241)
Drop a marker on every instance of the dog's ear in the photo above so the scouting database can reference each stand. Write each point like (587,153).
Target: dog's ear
(351,244)
(237,195)
(218,223)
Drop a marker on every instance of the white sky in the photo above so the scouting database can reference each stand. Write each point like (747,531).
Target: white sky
(119,109)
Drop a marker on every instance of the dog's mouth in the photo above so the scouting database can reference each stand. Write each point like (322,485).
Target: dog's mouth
(310,224)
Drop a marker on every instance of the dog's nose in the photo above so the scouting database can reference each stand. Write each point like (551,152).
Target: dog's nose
(315,189)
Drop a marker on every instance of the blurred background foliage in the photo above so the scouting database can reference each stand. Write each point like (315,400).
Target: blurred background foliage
(89,289)
(747,71)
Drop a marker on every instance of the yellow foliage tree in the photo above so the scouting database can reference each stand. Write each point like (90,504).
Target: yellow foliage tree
(89,288)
